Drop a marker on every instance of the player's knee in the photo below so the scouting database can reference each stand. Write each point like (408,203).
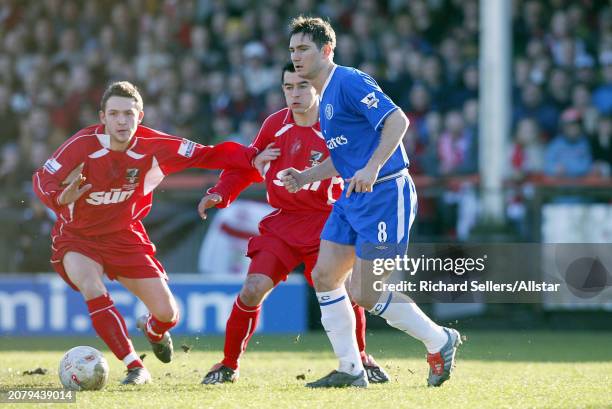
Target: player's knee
(166,315)
(91,288)
(361,296)
(167,312)
(323,280)
(253,291)
(363,301)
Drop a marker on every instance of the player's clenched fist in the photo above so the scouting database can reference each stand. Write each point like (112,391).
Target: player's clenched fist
(208,201)
(292,179)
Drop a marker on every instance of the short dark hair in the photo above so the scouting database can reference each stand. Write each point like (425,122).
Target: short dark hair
(287,67)
(319,30)
(122,89)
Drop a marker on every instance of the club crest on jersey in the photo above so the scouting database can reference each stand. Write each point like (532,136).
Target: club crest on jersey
(296,147)
(329,111)
(370,100)
(131,175)
(315,157)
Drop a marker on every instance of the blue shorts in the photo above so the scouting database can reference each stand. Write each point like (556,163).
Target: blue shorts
(377,223)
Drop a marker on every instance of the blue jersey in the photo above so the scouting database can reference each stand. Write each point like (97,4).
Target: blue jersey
(353,110)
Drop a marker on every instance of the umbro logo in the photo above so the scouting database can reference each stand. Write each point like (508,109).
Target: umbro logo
(370,100)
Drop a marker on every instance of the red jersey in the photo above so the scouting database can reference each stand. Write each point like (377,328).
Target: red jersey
(301,147)
(123,182)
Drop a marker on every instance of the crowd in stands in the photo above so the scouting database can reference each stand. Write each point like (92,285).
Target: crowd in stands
(209,70)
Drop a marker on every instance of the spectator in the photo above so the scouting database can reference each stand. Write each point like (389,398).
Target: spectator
(601,146)
(566,48)
(8,118)
(532,105)
(457,152)
(581,101)
(559,89)
(189,119)
(418,108)
(434,81)
(468,89)
(258,77)
(602,96)
(9,165)
(426,154)
(241,105)
(395,81)
(527,151)
(569,154)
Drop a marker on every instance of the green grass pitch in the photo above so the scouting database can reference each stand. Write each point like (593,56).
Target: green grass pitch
(522,369)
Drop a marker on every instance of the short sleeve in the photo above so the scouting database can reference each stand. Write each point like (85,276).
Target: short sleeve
(364,95)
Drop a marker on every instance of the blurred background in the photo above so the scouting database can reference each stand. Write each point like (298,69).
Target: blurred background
(210,71)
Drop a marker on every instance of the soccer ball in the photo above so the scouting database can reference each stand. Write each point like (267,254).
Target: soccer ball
(83,368)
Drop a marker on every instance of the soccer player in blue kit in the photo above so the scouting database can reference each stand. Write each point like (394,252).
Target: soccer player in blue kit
(363,130)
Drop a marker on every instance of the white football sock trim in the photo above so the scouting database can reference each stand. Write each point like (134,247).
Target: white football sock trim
(131,357)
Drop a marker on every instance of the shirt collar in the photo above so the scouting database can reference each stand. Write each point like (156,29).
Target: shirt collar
(289,118)
(105,141)
(329,77)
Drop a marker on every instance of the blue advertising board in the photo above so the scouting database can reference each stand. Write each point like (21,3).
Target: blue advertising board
(43,304)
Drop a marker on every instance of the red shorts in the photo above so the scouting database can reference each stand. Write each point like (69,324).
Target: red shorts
(126,253)
(286,240)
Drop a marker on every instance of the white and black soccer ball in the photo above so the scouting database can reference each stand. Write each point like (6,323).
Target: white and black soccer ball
(83,368)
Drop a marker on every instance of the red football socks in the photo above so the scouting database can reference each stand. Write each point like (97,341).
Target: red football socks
(155,329)
(360,329)
(110,326)
(238,331)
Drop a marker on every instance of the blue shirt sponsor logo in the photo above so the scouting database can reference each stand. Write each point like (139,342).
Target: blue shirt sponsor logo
(335,142)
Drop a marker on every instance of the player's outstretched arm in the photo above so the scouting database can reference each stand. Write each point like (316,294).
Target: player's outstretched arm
(394,128)
(393,132)
(233,181)
(208,201)
(58,176)
(294,179)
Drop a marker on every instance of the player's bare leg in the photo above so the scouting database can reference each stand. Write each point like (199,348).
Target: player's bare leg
(86,274)
(163,316)
(402,313)
(240,328)
(255,289)
(337,316)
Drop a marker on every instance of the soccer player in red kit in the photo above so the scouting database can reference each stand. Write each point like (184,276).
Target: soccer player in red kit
(288,236)
(99,183)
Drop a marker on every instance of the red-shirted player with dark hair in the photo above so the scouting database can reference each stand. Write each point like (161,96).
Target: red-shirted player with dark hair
(110,171)
(288,236)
